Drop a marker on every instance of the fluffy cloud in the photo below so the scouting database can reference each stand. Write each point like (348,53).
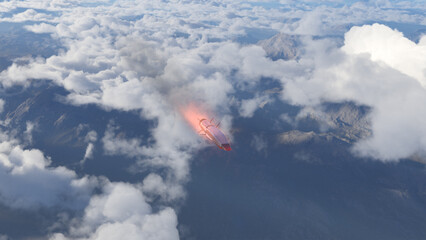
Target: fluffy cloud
(154,185)
(121,212)
(27,180)
(116,65)
(390,47)
(162,155)
(29,15)
(114,145)
(375,77)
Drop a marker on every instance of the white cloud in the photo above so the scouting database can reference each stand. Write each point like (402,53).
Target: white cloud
(28,134)
(114,145)
(91,136)
(122,212)
(249,106)
(154,185)
(88,154)
(390,47)
(386,84)
(41,28)
(161,155)
(27,180)
(29,15)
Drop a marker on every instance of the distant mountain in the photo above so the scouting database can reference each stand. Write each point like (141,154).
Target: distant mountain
(281,46)
(343,122)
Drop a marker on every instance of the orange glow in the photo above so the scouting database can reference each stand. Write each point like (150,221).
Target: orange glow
(193,115)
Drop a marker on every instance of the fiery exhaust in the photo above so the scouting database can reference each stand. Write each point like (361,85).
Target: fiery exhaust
(193,114)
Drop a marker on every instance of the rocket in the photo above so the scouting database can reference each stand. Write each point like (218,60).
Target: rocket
(214,134)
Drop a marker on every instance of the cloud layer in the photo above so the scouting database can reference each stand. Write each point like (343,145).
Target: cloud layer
(154,57)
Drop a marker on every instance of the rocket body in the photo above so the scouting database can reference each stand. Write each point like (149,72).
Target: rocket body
(214,134)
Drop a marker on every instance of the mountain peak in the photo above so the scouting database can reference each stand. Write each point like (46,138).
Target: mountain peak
(281,46)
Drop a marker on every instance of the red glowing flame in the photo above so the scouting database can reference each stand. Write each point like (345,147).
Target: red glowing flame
(193,114)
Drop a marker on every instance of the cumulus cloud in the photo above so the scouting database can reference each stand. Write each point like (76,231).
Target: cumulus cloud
(154,185)
(161,155)
(28,181)
(390,47)
(29,15)
(119,210)
(374,77)
(41,28)
(122,212)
